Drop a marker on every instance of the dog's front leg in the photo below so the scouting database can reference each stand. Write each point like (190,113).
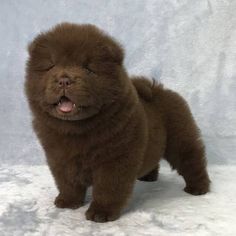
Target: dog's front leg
(112,186)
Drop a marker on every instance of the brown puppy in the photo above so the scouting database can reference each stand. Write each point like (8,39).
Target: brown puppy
(99,127)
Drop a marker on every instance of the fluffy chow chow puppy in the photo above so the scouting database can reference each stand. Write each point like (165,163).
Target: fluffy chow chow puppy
(100,127)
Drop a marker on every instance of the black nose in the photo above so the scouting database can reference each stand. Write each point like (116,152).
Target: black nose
(64,82)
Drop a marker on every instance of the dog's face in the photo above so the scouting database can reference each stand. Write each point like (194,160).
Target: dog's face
(73,71)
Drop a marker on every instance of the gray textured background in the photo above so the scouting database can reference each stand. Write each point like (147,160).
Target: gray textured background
(188,45)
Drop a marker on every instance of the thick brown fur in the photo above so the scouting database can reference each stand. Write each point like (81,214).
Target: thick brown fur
(119,129)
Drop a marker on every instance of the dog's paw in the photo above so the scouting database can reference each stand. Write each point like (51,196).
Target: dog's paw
(100,215)
(197,190)
(62,202)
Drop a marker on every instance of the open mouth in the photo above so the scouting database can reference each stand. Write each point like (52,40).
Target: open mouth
(66,109)
(65,105)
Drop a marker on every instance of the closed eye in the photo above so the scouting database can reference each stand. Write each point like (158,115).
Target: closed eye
(88,69)
(46,68)
(49,68)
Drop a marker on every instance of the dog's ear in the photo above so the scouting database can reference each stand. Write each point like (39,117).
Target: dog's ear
(116,51)
(40,55)
(39,42)
(113,51)
(31,46)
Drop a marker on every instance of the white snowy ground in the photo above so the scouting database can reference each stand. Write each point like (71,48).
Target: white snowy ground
(188,45)
(158,208)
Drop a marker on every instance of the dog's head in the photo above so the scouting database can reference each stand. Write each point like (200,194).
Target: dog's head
(73,71)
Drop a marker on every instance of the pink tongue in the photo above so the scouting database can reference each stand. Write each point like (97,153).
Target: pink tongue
(65,106)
